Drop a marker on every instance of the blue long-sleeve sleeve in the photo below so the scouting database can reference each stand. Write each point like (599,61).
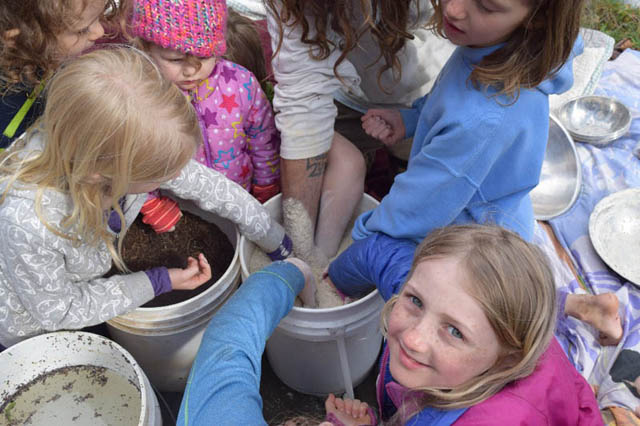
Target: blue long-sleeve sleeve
(411,115)
(224,384)
(376,260)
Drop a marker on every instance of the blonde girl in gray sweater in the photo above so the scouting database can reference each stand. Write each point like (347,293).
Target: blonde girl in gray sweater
(113,130)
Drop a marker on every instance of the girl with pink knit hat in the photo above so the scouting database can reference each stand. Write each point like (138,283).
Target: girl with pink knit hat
(186,39)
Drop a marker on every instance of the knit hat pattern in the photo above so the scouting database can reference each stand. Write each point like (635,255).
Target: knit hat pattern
(195,27)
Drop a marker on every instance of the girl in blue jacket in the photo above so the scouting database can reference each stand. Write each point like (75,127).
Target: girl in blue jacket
(479,136)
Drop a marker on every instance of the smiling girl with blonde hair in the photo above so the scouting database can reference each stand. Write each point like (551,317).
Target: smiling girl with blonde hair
(469,332)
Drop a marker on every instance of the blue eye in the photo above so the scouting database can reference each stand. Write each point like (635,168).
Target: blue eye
(454,332)
(416,301)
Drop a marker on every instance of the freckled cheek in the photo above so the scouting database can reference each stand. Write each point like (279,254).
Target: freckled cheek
(397,322)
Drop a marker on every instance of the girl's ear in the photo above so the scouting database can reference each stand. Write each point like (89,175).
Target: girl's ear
(95,178)
(10,35)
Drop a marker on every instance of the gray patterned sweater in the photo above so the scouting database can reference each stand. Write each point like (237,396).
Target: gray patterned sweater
(47,284)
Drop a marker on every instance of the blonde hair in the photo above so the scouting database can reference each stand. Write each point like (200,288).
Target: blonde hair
(535,50)
(511,281)
(110,120)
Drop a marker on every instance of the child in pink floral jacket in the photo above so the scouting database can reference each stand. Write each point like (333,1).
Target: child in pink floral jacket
(241,140)
(186,39)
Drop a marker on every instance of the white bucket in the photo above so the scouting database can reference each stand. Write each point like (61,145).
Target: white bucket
(318,351)
(165,339)
(65,401)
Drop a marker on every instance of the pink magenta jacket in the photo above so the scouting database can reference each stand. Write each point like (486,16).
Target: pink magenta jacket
(240,137)
(555,394)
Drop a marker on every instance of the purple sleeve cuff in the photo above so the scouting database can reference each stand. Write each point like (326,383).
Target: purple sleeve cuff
(160,280)
(283,251)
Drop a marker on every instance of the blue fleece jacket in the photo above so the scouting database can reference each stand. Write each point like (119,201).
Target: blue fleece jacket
(474,157)
(224,384)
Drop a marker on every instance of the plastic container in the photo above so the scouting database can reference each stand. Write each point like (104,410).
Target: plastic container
(101,404)
(318,351)
(165,339)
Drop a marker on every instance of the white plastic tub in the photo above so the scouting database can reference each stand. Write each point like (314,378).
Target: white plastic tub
(165,339)
(318,351)
(61,400)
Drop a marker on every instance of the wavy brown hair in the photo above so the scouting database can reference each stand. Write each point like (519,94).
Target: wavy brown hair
(511,280)
(387,20)
(33,54)
(535,50)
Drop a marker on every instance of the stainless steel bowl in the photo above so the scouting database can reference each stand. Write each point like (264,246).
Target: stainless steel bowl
(561,176)
(614,229)
(597,120)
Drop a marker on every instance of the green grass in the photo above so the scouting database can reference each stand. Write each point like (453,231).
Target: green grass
(614,18)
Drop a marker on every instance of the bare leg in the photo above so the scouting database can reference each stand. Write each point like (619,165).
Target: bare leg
(301,188)
(341,193)
(302,180)
(599,311)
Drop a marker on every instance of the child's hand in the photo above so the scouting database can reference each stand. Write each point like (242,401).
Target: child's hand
(386,125)
(308,293)
(193,276)
(263,193)
(351,412)
(161,213)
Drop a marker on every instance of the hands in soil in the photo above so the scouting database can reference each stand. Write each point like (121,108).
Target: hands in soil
(194,275)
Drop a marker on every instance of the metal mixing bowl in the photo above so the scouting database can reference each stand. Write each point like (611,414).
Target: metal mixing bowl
(614,229)
(561,176)
(597,120)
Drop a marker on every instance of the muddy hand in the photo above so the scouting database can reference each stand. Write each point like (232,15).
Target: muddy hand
(194,275)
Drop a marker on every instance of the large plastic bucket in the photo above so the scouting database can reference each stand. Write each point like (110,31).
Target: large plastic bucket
(165,339)
(66,401)
(318,351)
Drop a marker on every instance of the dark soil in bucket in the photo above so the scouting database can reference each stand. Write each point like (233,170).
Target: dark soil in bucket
(144,249)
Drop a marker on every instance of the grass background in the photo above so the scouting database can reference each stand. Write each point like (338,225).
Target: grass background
(615,18)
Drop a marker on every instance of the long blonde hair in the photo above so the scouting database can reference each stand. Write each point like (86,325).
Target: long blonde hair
(110,120)
(513,284)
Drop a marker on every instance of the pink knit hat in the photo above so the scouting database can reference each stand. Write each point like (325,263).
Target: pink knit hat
(195,27)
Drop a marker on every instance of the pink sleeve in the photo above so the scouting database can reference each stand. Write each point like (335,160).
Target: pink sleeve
(263,137)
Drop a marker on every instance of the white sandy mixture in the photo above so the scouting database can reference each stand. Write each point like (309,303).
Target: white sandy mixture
(300,230)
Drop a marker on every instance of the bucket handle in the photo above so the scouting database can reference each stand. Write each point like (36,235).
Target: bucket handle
(344,365)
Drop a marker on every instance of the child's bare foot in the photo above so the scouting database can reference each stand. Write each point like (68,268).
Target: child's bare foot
(351,412)
(599,311)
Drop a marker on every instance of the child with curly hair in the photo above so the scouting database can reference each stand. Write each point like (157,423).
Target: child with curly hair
(35,38)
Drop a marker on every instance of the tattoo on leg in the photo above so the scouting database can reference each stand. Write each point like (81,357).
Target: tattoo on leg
(317,165)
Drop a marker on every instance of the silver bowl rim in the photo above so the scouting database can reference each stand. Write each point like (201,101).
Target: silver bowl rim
(578,187)
(605,202)
(598,141)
